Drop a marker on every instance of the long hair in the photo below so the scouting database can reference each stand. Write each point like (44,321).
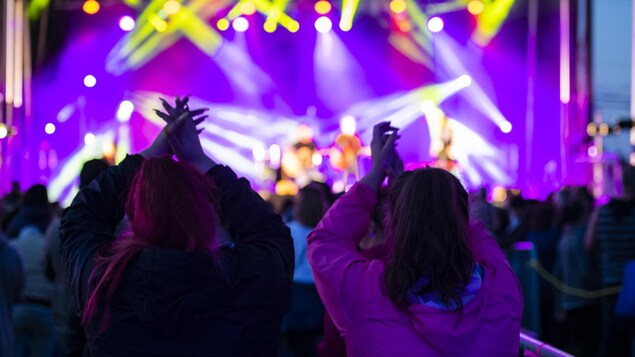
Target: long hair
(428,233)
(169,205)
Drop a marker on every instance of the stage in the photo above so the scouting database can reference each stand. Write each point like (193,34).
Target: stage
(477,81)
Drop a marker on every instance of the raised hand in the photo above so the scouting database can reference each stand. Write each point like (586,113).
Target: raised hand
(182,136)
(385,159)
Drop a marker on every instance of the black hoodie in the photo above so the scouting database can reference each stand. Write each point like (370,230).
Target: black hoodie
(175,303)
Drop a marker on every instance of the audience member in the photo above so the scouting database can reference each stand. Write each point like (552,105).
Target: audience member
(302,324)
(11,205)
(11,287)
(33,318)
(67,324)
(612,235)
(544,235)
(35,210)
(446,287)
(167,287)
(579,316)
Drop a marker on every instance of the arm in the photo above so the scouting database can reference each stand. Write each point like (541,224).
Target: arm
(90,221)
(331,247)
(483,245)
(249,219)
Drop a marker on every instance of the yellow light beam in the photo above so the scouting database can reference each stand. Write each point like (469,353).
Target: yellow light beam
(489,21)
(349,8)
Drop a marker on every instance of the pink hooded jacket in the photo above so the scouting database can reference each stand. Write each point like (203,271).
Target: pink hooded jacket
(351,288)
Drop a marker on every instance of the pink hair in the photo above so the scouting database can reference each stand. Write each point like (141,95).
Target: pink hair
(169,205)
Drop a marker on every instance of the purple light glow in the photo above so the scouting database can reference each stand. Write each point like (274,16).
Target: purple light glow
(258,85)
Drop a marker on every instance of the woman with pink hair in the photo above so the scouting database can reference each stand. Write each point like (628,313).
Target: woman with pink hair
(170,286)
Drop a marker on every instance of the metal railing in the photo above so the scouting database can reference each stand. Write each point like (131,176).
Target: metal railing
(539,348)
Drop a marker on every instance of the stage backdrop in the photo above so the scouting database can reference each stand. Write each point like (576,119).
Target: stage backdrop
(95,96)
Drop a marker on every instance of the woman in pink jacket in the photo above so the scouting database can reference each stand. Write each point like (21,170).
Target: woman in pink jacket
(445,289)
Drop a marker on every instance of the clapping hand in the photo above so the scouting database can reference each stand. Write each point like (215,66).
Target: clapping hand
(182,133)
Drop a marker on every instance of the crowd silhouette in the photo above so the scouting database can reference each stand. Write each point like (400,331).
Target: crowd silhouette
(169,253)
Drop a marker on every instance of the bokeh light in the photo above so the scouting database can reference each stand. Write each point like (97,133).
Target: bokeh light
(222,24)
(90,81)
(323,7)
(592,151)
(3,131)
(49,128)
(124,112)
(505,127)
(240,24)
(293,26)
(248,8)
(435,24)
(270,26)
(465,80)
(127,23)
(323,24)
(172,7)
(89,139)
(475,7)
(91,7)
(398,6)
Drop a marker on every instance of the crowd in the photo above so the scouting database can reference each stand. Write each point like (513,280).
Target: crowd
(169,253)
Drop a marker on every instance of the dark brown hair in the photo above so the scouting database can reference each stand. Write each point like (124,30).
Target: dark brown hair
(428,233)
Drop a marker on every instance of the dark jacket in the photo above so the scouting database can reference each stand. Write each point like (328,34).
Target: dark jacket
(175,303)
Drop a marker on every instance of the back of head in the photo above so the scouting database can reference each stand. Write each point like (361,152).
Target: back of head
(170,205)
(428,233)
(36,195)
(310,206)
(91,170)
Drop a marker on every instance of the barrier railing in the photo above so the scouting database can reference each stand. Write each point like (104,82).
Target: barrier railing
(539,348)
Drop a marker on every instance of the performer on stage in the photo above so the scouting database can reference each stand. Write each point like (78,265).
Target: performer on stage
(300,161)
(346,150)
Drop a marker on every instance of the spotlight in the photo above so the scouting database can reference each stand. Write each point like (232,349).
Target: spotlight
(465,80)
(91,7)
(435,24)
(323,24)
(323,7)
(89,139)
(505,127)
(127,23)
(125,111)
(240,24)
(293,26)
(172,7)
(248,8)
(90,81)
(49,128)
(398,6)
(222,24)
(3,131)
(475,7)
(427,106)
(592,151)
